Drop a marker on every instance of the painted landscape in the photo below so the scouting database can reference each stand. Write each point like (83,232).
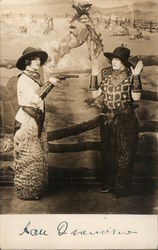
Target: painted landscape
(134,24)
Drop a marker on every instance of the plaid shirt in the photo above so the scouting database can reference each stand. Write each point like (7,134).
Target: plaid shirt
(116,88)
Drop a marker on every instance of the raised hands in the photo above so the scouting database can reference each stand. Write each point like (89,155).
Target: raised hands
(138,68)
(96,67)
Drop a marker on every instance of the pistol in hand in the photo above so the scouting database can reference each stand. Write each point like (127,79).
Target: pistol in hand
(65,76)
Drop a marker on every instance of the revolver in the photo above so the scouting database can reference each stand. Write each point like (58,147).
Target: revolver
(65,76)
(46,88)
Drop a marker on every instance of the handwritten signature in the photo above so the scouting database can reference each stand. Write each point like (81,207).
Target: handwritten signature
(33,231)
(63,229)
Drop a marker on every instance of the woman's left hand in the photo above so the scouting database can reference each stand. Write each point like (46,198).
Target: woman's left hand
(138,68)
(8,145)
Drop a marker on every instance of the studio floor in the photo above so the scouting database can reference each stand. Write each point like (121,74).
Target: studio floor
(79,200)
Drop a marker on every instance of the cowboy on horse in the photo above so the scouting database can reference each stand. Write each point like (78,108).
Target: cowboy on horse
(82,30)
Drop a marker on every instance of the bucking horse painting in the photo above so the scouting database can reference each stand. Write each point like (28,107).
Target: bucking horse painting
(81,30)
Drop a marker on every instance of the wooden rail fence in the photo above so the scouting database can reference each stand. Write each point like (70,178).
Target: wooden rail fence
(147,141)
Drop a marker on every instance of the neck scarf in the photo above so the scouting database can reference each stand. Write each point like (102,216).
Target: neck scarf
(117,77)
(34,75)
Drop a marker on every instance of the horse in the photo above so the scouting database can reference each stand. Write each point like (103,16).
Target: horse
(80,32)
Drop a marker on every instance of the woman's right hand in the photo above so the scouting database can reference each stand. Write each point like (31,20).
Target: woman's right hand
(95,67)
(54,80)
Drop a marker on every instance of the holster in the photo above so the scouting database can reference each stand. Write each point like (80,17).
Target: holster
(38,115)
(17,126)
(110,114)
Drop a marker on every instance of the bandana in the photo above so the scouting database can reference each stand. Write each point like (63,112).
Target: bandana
(117,77)
(33,75)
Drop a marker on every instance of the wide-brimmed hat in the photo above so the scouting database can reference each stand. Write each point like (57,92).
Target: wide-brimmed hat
(31,52)
(122,53)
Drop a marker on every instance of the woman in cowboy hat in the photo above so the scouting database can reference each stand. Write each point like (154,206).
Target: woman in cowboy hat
(119,86)
(30,144)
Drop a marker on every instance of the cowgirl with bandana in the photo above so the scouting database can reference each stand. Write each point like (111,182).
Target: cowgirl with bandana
(30,142)
(119,86)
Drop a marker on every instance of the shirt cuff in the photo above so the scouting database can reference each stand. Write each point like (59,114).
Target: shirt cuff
(93,83)
(137,86)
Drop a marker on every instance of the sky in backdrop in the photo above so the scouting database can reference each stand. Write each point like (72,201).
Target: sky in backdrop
(21,4)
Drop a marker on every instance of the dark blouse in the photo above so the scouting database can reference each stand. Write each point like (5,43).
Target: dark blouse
(117,86)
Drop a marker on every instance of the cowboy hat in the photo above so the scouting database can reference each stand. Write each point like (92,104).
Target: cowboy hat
(122,53)
(31,52)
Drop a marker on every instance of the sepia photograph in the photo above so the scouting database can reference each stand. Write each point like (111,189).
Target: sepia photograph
(78,111)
